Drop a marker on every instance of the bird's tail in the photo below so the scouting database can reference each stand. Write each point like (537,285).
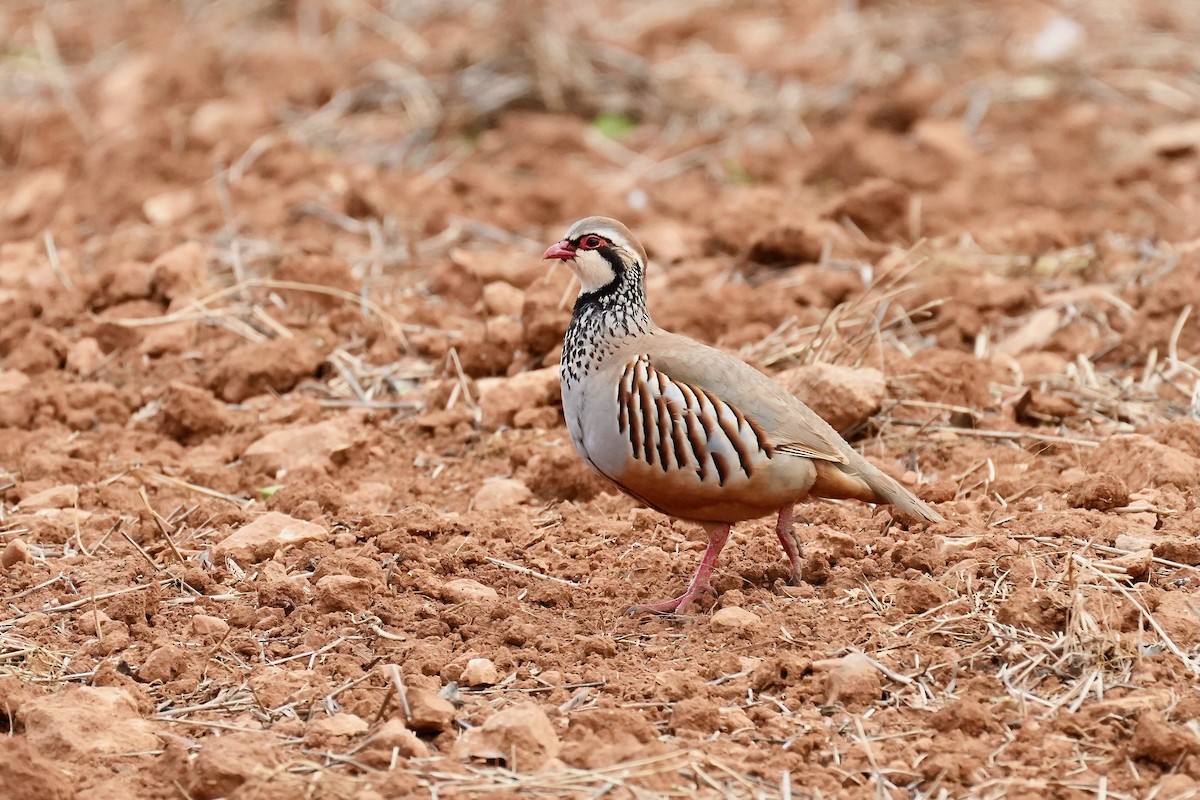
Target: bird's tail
(861,480)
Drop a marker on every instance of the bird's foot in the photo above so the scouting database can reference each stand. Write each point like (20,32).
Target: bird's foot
(669,606)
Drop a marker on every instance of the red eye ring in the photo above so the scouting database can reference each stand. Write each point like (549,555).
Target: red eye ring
(592,242)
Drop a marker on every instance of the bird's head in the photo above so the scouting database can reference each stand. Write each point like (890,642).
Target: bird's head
(603,254)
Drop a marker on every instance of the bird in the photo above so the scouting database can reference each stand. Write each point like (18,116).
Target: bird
(687,429)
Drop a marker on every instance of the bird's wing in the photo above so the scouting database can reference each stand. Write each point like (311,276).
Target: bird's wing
(729,400)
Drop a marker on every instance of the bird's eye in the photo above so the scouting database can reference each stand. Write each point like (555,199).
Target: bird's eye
(591,242)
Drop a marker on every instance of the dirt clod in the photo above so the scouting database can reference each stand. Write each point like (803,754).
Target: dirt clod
(1157,740)
(229,761)
(26,774)
(1101,492)
(843,397)
(522,737)
(87,720)
(428,712)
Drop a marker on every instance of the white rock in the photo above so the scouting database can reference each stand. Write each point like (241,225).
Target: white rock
(462,590)
(503,493)
(479,672)
(734,618)
(169,207)
(264,536)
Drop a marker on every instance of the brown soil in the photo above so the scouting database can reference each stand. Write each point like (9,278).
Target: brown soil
(287,506)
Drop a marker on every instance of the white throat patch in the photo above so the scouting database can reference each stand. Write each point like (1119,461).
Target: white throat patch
(592,270)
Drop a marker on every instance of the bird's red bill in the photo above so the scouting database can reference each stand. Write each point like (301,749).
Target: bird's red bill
(563,251)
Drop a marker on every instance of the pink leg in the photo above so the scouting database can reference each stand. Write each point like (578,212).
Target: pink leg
(701,583)
(791,545)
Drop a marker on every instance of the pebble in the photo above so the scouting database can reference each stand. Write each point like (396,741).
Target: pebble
(480,672)
(15,552)
(204,625)
(734,618)
(498,494)
(266,535)
(428,712)
(462,590)
(63,496)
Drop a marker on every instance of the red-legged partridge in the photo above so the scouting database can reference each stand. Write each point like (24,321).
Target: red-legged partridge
(687,429)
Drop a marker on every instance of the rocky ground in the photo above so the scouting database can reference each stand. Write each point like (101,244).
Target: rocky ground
(287,506)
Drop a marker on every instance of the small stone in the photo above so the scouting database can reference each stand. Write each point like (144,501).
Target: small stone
(267,534)
(1137,564)
(334,731)
(85,356)
(315,445)
(462,590)
(734,618)
(951,546)
(64,496)
(204,626)
(851,679)
(840,545)
(521,736)
(428,712)
(842,396)
(479,672)
(1133,542)
(503,299)
(498,494)
(94,623)
(344,593)
(164,664)
(228,118)
(1174,139)
(169,207)
(15,552)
